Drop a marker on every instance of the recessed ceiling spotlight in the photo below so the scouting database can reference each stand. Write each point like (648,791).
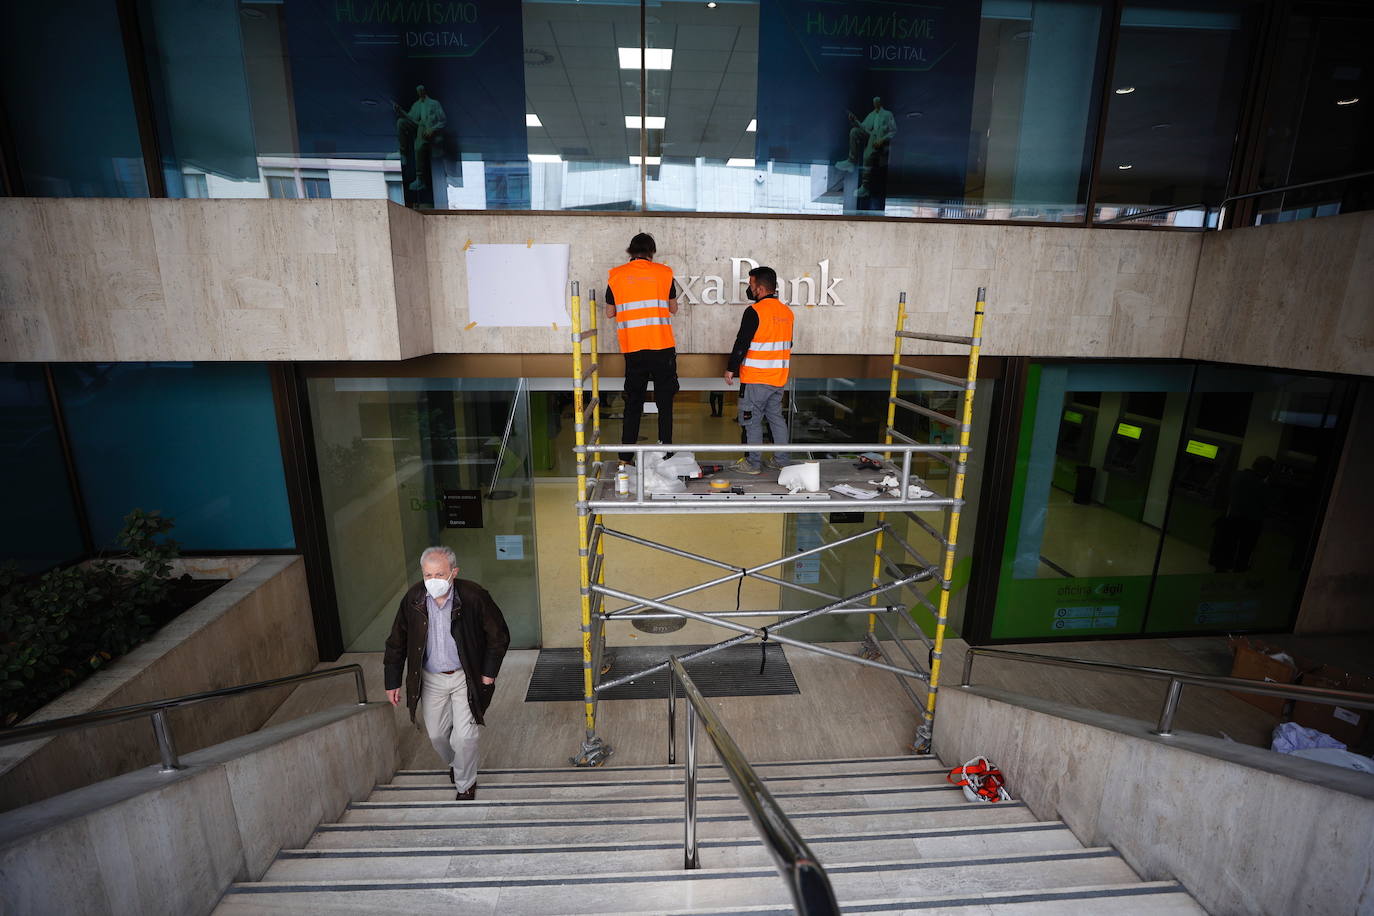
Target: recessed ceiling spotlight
(711,5)
(1347,101)
(1125,90)
(1125,165)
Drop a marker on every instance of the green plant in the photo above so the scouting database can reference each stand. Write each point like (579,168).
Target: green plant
(59,627)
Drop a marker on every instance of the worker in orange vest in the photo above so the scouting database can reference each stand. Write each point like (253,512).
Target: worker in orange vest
(762,357)
(640,296)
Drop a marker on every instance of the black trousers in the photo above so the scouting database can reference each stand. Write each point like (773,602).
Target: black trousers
(642,367)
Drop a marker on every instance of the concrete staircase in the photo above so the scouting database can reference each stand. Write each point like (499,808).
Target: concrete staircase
(893,835)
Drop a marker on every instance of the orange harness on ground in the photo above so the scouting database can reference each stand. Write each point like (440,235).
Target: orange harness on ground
(980,780)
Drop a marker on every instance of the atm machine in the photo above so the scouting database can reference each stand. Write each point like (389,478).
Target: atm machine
(1075,445)
(1129,460)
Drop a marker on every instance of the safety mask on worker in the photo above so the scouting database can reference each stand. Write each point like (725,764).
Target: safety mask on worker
(751,295)
(437,588)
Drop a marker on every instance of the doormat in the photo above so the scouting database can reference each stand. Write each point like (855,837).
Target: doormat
(732,672)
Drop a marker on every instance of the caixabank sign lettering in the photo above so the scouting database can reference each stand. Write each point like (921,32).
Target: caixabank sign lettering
(818,287)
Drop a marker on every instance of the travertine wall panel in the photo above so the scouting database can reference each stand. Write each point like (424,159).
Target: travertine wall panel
(133,280)
(1297,295)
(1054,291)
(367,280)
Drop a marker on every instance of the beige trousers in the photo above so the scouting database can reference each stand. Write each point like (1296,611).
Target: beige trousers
(448,722)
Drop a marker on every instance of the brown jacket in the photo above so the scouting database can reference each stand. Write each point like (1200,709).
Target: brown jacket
(479,630)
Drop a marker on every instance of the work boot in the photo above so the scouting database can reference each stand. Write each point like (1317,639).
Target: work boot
(744,467)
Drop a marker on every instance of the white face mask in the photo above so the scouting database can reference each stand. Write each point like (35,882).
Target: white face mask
(437,588)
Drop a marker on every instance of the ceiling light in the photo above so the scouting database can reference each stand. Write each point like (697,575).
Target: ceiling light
(652,121)
(532,120)
(711,5)
(1162,125)
(746,163)
(545,157)
(1347,101)
(1125,90)
(652,160)
(654,59)
(1125,165)
(753,126)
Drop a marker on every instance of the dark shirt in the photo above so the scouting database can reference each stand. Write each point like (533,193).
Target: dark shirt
(748,325)
(673,294)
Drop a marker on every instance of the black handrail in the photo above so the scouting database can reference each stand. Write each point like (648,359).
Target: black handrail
(806,880)
(1221,207)
(157,711)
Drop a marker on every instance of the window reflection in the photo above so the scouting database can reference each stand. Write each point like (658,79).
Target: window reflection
(1176,93)
(1164,499)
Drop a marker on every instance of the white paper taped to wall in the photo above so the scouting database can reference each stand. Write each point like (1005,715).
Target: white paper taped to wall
(523,286)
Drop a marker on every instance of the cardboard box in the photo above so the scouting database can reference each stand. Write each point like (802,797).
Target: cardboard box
(1346,724)
(1253,662)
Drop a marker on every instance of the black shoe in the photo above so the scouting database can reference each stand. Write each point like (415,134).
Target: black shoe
(469,795)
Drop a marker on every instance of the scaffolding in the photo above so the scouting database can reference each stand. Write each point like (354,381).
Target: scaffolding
(598,499)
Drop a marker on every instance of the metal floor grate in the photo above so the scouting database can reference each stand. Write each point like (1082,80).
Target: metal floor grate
(732,672)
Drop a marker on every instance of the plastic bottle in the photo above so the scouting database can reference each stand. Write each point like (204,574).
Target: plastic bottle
(622,481)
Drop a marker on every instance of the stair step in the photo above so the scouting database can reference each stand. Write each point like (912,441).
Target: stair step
(912,762)
(660,891)
(475,861)
(667,827)
(849,783)
(1154,898)
(709,802)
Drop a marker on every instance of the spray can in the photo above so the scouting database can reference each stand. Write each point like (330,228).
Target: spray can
(622,481)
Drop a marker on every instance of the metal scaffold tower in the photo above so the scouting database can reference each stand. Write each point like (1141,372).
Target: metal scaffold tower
(845,487)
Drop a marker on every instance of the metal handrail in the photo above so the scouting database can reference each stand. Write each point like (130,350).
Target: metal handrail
(1177,679)
(1221,207)
(157,711)
(806,880)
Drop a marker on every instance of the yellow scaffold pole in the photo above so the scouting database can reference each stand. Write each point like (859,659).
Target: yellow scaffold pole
(594,750)
(952,527)
(887,440)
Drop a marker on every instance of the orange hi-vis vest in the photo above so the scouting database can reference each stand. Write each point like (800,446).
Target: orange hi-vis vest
(770,352)
(641,289)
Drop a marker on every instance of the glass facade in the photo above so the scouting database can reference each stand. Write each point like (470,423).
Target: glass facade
(1037,110)
(41,527)
(196,441)
(1163,499)
(408,463)
(1176,93)
(67,100)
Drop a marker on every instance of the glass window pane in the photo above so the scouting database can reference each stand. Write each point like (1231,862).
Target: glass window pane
(409,463)
(40,527)
(1089,496)
(1180,70)
(1319,117)
(581,79)
(981,116)
(66,96)
(196,441)
(1256,453)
